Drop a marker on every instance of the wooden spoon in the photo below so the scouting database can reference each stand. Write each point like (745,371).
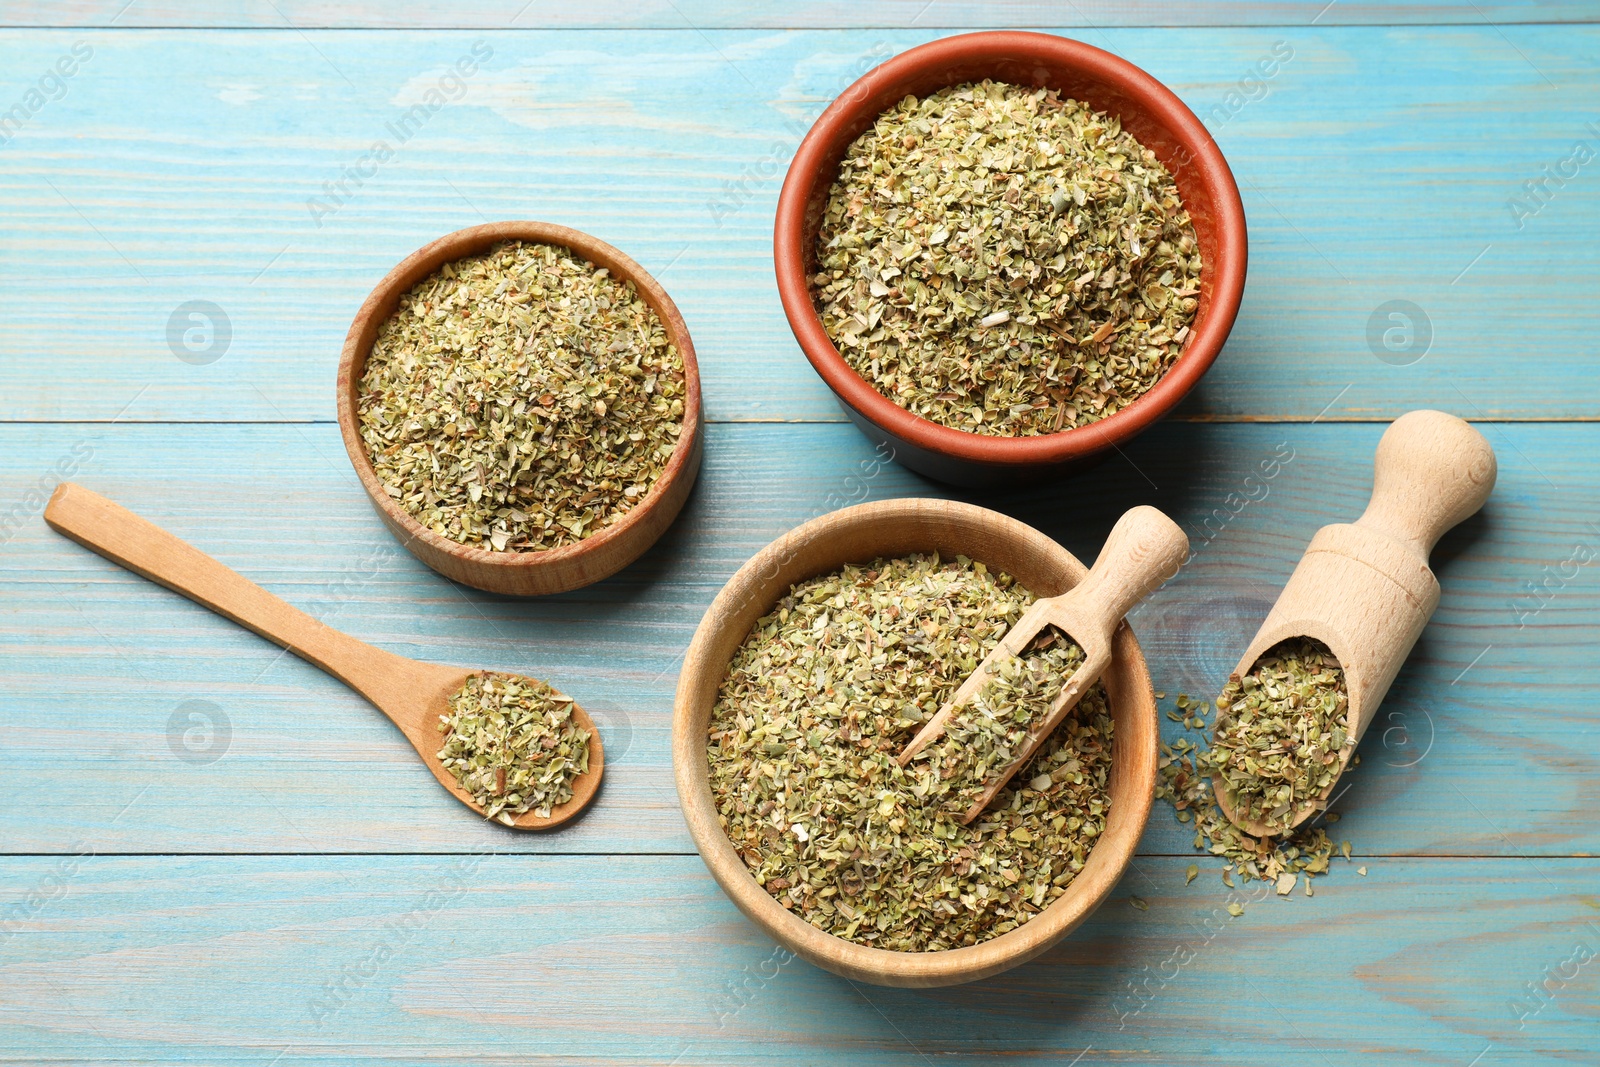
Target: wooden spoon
(411,693)
(1364,589)
(1144,549)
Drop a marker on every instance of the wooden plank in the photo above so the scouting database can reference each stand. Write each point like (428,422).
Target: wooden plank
(724,14)
(1486,745)
(642,960)
(1377,165)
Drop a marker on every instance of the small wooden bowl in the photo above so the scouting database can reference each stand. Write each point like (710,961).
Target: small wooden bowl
(554,570)
(1148,110)
(858,535)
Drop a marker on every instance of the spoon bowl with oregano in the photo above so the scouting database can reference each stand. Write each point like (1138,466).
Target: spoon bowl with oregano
(508,747)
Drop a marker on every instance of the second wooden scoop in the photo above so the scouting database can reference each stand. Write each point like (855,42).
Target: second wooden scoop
(1144,549)
(411,693)
(1364,589)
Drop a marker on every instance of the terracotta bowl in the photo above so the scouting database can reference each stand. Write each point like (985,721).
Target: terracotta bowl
(860,534)
(552,570)
(1147,109)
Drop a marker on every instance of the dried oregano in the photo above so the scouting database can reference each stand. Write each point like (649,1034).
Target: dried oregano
(1279,732)
(982,737)
(1283,860)
(521,399)
(513,745)
(819,700)
(1005,261)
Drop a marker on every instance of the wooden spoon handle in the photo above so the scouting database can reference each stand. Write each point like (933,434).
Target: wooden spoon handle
(144,548)
(1144,549)
(1431,471)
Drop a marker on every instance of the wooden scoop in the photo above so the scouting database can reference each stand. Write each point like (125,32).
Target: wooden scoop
(1144,549)
(412,694)
(1365,590)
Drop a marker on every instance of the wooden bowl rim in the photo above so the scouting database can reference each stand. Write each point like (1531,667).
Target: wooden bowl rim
(380,304)
(1139,90)
(1135,751)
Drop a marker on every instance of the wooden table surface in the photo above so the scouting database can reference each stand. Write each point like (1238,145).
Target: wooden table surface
(215,854)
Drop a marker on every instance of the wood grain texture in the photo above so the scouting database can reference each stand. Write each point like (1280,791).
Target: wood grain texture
(1377,164)
(1486,744)
(499,959)
(728,14)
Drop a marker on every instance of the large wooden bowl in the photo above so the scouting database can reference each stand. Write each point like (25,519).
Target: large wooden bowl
(858,535)
(552,570)
(1148,110)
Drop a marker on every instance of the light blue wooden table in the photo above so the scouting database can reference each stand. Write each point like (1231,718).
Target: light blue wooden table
(215,854)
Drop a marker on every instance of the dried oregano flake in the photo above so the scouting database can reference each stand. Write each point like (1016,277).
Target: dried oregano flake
(982,737)
(521,399)
(1280,731)
(1005,261)
(1281,860)
(819,700)
(513,745)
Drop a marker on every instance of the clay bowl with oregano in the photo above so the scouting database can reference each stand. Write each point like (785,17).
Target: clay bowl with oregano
(818,662)
(1008,254)
(522,404)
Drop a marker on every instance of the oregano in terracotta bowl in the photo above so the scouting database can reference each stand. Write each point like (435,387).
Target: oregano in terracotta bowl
(1146,109)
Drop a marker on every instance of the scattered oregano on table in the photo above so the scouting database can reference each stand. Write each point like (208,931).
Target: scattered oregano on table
(820,699)
(512,743)
(1284,860)
(1005,261)
(1279,731)
(521,399)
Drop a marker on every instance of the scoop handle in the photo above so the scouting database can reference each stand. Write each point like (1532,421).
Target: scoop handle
(1144,549)
(151,552)
(1431,471)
